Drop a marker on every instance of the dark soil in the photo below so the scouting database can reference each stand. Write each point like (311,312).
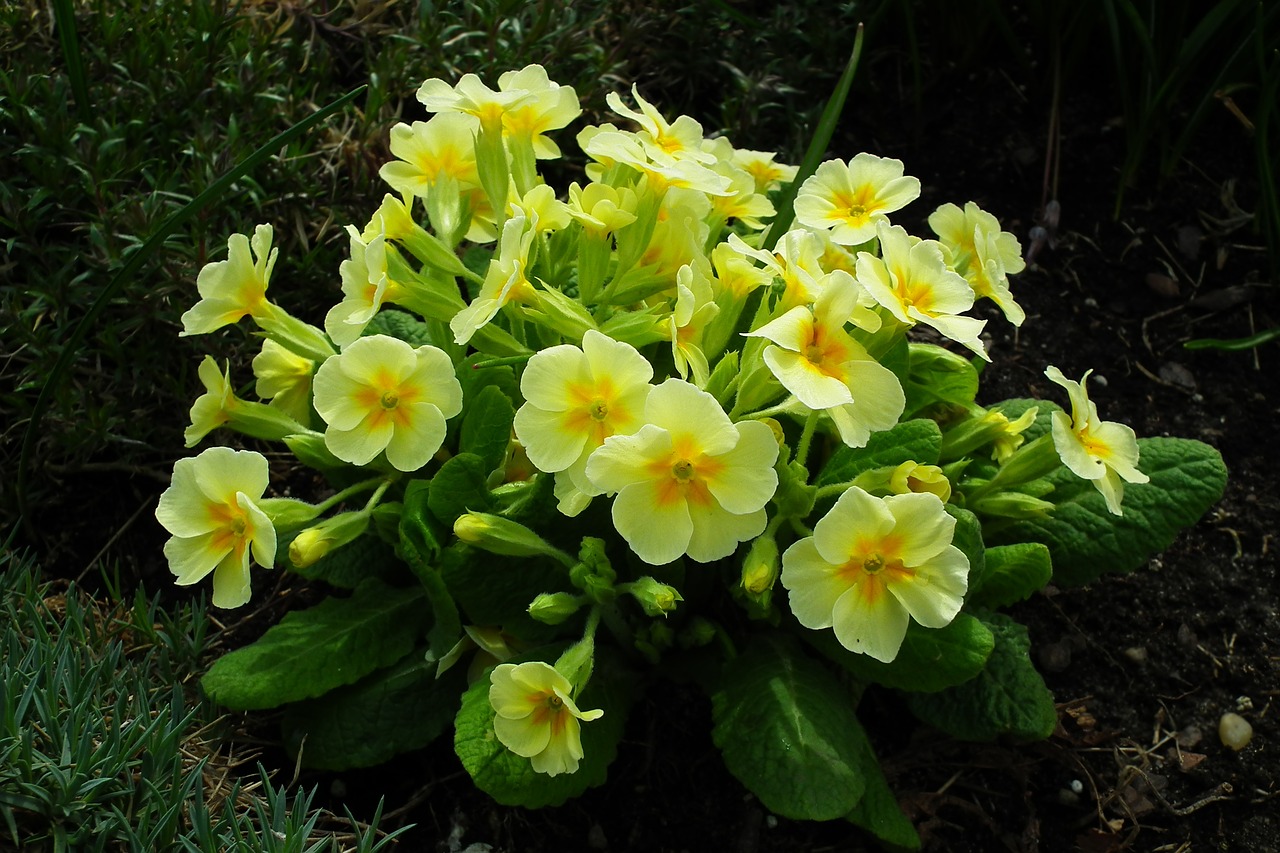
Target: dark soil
(1142,666)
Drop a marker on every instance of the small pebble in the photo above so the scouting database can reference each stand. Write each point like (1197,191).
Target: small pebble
(1137,654)
(1068,797)
(771,821)
(1190,737)
(1234,731)
(1077,786)
(1244,703)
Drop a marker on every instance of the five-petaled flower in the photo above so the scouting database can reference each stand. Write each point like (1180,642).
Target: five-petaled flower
(211,510)
(382,394)
(574,400)
(234,288)
(690,481)
(874,563)
(1103,452)
(535,716)
(850,200)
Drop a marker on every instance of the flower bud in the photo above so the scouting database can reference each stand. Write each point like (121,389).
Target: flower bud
(656,599)
(913,477)
(317,542)
(552,608)
(311,451)
(499,535)
(760,570)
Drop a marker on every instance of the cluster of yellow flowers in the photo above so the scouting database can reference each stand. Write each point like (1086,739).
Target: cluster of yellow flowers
(652,271)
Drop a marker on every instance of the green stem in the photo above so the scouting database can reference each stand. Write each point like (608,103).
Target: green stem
(806,437)
(364,485)
(499,362)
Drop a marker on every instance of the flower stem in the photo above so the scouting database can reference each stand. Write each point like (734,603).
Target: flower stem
(806,437)
(364,485)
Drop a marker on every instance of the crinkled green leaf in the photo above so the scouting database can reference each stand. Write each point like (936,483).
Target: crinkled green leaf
(917,440)
(788,732)
(345,567)
(401,325)
(486,426)
(1086,541)
(1007,698)
(1012,573)
(878,812)
(495,590)
(393,710)
(931,659)
(967,536)
(312,651)
(459,486)
(939,376)
(510,779)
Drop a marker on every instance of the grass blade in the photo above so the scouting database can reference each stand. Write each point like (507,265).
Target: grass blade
(817,146)
(64,15)
(135,262)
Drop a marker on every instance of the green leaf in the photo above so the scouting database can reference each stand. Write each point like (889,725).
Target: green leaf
(401,325)
(1085,540)
(788,732)
(1007,698)
(391,711)
(968,538)
(345,567)
(916,441)
(459,486)
(510,779)
(420,547)
(494,590)
(486,427)
(931,659)
(1012,573)
(939,376)
(310,652)
(878,812)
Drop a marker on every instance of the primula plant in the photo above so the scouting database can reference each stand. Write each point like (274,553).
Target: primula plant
(584,440)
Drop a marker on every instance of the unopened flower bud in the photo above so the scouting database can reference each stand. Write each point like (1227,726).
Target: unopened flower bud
(499,535)
(552,608)
(657,599)
(287,513)
(312,544)
(913,477)
(760,570)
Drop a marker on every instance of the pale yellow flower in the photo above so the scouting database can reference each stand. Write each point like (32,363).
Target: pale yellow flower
(382,394)
(535,716)
(850,200)
(681,139)
(549,106)
(690,481)
(574,400)
(985,255)
(764,169)
(234,288)
(429,152)
(506,281)
(284,377)
(210,510)
(1103,452)
(600,208)
(913,281)
(366,286)
(815,359)
(871,565)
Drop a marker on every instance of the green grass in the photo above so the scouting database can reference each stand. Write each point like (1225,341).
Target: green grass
(105,746)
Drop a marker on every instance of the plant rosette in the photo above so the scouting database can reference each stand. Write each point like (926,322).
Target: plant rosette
(583,439)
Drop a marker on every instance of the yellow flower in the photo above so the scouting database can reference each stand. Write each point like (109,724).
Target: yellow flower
(549,106)
(574,400)
(211,512)
(871,565)
(690,481)
(816,360)
(761,166)
(982,253)
(284,378)
(234,288)
(600,208)
(381,394)
(850,200)
(472,97)
(1103,452)
(366,285)
(535,717)
(681,139)
(506,281)
(433,151)
(913,281)
(695,307)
